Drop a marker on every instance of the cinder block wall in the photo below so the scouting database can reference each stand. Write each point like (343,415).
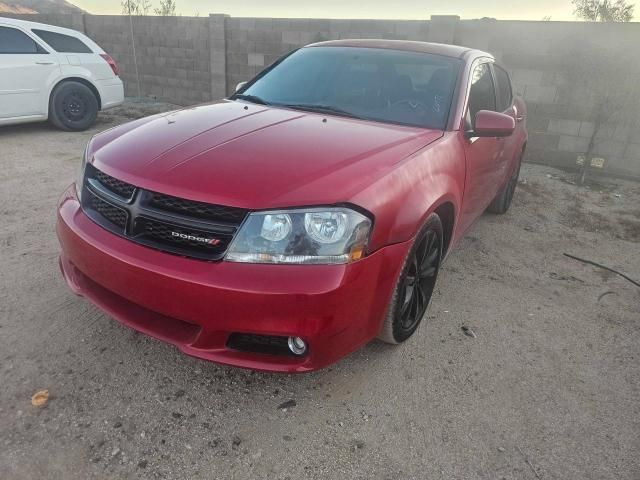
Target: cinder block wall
(538,56)
(189,60)
(254,43)
(172,54)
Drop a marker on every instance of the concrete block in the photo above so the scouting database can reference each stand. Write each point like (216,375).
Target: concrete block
(606,131)
(573,144)
(318,24)
(442,28)
(338,25)
(586,129)
(538,94)
(415,30)
(254,35)
(264,24)
(308,37)
(235,46)
(537,124)
(609,148)
(255,60)
(217,58)
(527,77)
(564,127)
(246,23)
(272,36)
(237,58)
(624,167)
(291,37)
(622,132)
(543,141)
(633,152)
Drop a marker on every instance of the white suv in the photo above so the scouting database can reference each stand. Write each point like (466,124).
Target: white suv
(54,73)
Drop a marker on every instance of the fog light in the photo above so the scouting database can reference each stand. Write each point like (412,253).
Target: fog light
(297,346)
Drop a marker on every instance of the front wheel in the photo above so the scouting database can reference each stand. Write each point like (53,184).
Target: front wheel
(417,280)
(73,106)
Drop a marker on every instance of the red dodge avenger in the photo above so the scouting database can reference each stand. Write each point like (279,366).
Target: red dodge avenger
(307,214)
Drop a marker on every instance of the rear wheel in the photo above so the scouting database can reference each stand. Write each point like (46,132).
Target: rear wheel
(73,106)
(503,199)
(415,285)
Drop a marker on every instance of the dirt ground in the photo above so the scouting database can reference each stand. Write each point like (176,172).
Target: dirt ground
(548,389)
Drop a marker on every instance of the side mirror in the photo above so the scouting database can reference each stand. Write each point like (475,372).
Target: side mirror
(240,86)
(492,124)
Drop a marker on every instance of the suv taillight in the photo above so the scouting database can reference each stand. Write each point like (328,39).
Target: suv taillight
(112,63)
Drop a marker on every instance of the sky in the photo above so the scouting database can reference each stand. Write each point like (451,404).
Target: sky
(384,9)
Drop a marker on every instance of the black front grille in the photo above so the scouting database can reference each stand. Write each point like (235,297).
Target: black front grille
(113,184)
(179,226)
(200,243)
(115,215)
(200,210)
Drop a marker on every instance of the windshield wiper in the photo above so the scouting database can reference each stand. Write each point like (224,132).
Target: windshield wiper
(250,98)
(313,107)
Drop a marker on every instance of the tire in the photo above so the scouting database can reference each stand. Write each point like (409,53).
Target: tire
(73,106)
(502,201)
(404,317)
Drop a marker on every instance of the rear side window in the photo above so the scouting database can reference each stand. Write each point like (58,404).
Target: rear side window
(13,41)
(62,43)
(482,95)
(503,88)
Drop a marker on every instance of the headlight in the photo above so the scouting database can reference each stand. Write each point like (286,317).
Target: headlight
(80,174)
(311,235)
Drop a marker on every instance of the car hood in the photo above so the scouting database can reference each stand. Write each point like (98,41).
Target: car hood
(255,157)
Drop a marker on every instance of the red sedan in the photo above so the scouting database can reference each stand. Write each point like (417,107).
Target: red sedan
(309,213)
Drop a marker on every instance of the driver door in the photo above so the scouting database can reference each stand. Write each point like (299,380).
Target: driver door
(483,155)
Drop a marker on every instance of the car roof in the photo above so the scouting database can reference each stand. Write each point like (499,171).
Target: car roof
(454,51)
(26,25)
(41,26)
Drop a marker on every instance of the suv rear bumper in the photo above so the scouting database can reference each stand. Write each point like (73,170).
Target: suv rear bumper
(195,305)
(111,92)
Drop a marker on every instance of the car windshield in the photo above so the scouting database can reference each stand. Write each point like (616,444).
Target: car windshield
(373,84)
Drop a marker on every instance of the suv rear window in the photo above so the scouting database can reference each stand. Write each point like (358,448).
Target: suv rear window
(62,43)
(13,41)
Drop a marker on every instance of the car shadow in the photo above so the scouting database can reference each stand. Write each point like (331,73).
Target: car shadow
(37,127)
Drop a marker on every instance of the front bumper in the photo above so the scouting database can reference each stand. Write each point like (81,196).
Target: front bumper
(196,305)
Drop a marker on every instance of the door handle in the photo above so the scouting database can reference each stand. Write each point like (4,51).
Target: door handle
(44,63)
(520,118)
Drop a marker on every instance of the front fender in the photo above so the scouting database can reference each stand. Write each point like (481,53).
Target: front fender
(402,199)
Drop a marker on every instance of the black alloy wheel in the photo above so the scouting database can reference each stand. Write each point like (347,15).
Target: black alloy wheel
(416,283)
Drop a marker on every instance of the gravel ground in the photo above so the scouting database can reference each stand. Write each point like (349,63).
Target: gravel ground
(549,387)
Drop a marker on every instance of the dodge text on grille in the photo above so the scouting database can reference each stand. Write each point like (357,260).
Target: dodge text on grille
(210,241)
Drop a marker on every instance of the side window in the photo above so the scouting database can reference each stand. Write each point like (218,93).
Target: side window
(62,43)
(13,41)
(503,88)
(482,95)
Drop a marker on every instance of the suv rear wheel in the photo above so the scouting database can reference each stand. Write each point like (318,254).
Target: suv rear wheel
(415,285)
(73,106)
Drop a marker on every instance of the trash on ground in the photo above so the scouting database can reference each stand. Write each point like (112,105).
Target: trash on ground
(287,404)
(40,398)
(468,332)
